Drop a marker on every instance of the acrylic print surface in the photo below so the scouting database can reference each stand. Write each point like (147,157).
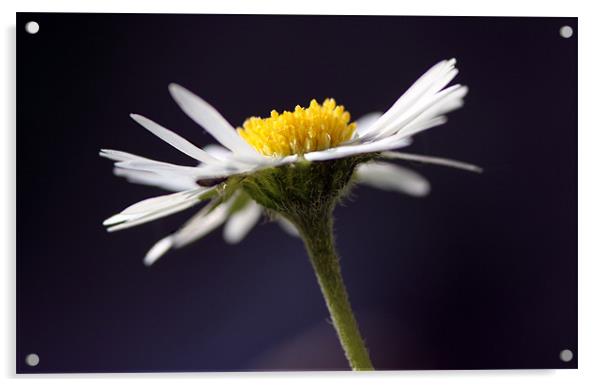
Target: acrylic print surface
(253,193)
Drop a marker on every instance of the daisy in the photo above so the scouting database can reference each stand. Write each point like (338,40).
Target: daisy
(294,165)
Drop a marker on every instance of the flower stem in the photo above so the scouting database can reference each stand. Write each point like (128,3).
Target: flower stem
(317,234)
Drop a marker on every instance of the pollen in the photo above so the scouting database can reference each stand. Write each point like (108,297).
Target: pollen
(304,130)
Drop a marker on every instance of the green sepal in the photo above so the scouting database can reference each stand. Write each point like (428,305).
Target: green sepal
(293,190)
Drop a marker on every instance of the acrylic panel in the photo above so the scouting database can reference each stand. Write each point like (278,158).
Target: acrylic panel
(446,266)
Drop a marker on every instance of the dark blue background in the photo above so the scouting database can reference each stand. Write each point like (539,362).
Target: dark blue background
(480,274)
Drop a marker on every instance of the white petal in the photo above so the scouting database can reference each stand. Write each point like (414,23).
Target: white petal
(158,250)
(232,160)
(129,217)
(116,155)
(288,226)
(205,172)
(350,150)
(154,208)
(440,83)
(228,168)
(432,160)
(241,222)
(133,162)
(218,151)
(159,202)
(426,86)
(443,102)
(391,177)
(422,125)
(423,86)
(175,140)
(205,221)
(173,183)
(209,118)
(266,162)
(149,217)
(125,158)
(366,121)
(425,109)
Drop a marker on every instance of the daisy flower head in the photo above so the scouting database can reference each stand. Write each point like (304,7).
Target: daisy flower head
(295,166)
(321,132)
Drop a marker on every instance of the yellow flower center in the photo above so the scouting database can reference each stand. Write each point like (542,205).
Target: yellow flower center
(304,130)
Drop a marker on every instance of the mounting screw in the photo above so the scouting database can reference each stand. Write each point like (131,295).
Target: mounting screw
(32,359)
(566,31)
(32,27)
(566,355)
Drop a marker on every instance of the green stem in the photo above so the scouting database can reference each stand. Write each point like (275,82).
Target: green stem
(319,242)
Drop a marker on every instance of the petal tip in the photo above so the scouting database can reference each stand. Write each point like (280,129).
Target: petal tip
(158,250)
(423,190)
(136,117)
(175,89)
(112,220)
(230,239)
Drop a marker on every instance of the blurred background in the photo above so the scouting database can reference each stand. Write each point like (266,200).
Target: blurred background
(482,273)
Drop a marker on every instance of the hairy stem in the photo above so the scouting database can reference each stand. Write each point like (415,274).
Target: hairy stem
(319,241)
